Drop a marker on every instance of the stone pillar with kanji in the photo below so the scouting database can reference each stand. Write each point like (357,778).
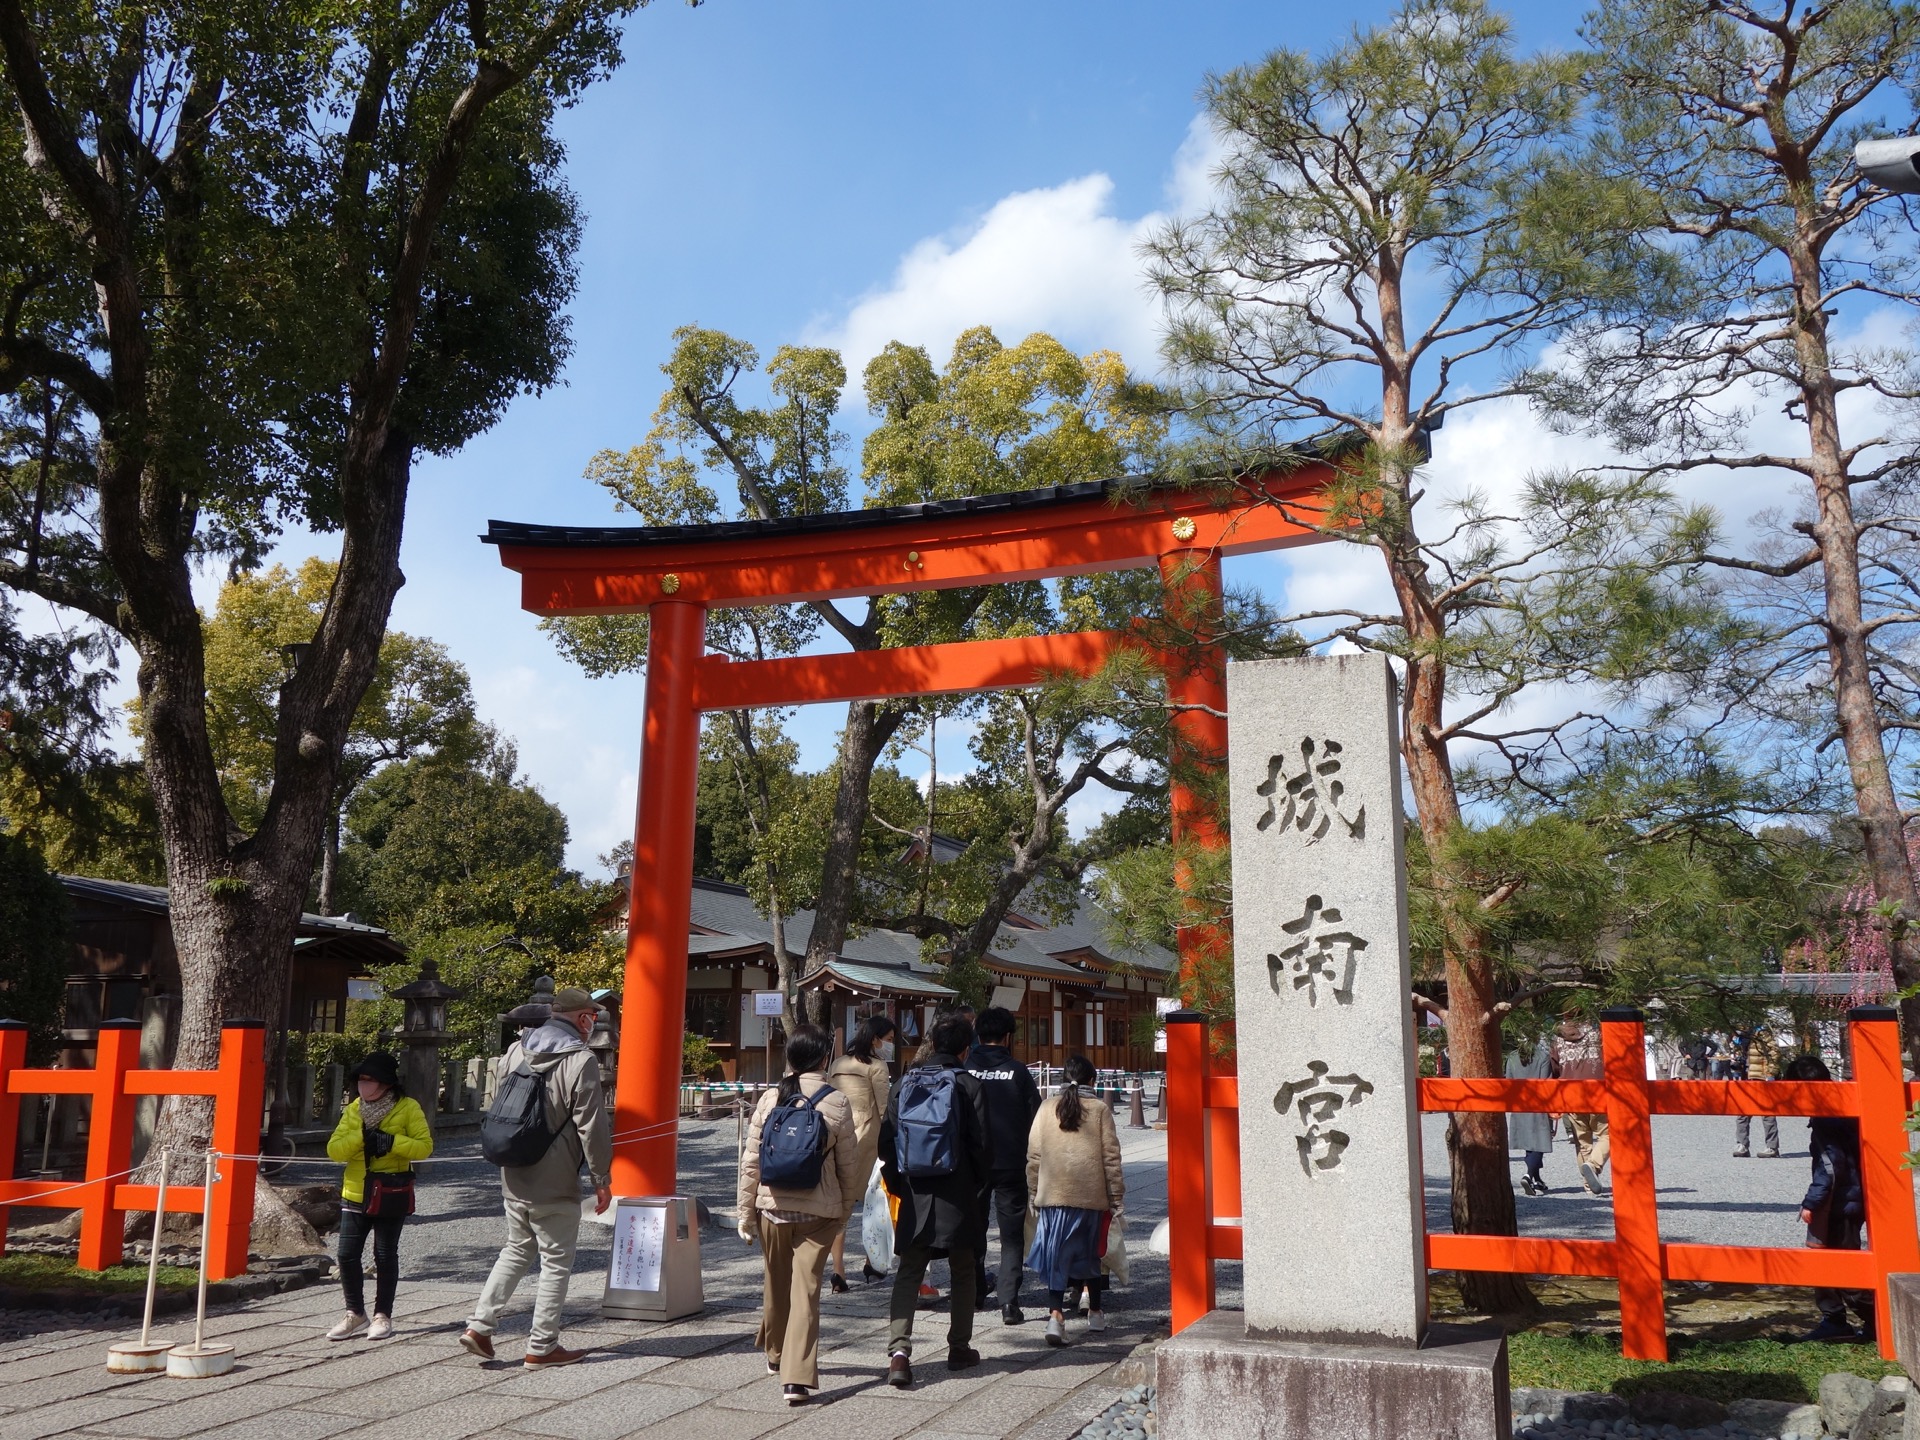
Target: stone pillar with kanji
(1333,1340)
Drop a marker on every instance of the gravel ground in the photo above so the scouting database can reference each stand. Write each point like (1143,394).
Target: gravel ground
(1705,1194)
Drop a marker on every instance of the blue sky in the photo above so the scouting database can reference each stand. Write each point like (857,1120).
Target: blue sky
(834,172)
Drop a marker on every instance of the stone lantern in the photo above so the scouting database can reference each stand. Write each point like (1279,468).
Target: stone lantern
(423,1030)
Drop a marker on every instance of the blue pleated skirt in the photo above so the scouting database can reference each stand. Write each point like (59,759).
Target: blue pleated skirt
(1066,1246)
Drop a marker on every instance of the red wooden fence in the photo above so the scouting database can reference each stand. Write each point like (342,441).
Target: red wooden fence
(104,1198)
(1203,1174)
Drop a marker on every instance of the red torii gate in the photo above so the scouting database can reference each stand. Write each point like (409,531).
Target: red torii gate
(675,574)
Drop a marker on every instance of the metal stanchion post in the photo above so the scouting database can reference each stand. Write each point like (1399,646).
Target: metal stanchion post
(128,1357)
(200,1361)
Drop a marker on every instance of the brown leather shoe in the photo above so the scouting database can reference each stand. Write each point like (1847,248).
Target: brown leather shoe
(899,1372)
(474,1343)
(557,1356)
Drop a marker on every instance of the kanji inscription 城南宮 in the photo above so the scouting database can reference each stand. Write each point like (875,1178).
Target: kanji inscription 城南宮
(1321,959)
(1308,795)
(1317,1100)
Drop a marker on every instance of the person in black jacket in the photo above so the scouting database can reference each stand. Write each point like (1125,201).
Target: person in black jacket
(1013,1099)
(1834,1209)
(939,1215)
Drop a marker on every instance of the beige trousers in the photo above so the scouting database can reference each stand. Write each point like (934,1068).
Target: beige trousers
(796,1259)
(1590,1142)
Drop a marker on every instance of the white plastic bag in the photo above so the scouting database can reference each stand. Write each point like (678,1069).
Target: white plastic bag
(876,1225)
(1114,1262)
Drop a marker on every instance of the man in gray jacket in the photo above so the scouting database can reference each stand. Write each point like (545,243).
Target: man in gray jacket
(543,1199)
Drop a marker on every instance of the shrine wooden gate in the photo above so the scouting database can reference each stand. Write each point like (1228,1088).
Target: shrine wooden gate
(675,574)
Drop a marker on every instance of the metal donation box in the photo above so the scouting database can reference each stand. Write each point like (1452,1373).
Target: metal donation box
(655,1271)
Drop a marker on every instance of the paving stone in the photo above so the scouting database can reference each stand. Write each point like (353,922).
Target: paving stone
(712,1423)
(286,1425)
(596,1372)
(364,1367)
(421,1393)
(205,1412)
(997,1409)
(884,1416)
(86,1410)
(452,1419)
(725,1370)
(1067,1369)
(612,1414)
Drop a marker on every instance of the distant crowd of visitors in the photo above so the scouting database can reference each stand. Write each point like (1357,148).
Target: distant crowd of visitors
(1834,1206)
(963,1143)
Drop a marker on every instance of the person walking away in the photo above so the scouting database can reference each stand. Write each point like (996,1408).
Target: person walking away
(1576,1056)
(1834,1209)
(861,1075)
(1762,1056)
(548,1118)
(800,1178)
(1013,1099)
(1078,1186)
(936,1156)
(380,1135)
(1532,1134)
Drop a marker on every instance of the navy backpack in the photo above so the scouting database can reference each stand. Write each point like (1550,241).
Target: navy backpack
(926,1125)
(793,1144)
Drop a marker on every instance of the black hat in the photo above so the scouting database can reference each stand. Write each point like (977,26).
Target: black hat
(378,1065)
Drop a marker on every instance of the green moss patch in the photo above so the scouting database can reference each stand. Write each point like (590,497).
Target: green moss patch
(1716,1369)
(56,1272)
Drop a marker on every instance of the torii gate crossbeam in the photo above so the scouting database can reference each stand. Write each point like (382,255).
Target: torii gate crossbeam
(675,574)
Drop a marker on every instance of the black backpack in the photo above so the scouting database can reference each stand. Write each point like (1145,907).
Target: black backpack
(515,1131)
(793,1145)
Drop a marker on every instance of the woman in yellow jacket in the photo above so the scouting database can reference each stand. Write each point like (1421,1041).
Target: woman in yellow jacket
(379,1136)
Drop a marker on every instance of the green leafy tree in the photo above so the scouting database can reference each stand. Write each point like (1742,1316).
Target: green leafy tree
(269,253)
(1720,178)
(465,862)
(417,703)
(995,418)
(36,950)
(1356,283)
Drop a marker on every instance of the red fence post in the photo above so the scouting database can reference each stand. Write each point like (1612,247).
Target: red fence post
(109,1143)
(236,1131)
(1636,1217)
(1882,1088)
(1189,1203)
(13,1056)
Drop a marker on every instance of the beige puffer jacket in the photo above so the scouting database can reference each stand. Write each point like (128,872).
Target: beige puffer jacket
(841,1186)
(1077,1168)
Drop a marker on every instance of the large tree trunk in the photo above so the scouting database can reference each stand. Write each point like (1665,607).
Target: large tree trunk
(1476,1141)
(870,725)
(1836,532)
(236,900)
(329,865)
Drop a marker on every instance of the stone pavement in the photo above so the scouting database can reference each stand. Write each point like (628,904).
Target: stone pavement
(690,1380)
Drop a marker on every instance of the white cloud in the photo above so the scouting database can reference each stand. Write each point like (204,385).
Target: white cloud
(1057,259)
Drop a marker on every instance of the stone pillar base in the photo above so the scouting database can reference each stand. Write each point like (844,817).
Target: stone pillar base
(1212,1381)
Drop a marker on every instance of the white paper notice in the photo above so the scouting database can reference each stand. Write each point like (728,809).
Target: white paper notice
(639,1237)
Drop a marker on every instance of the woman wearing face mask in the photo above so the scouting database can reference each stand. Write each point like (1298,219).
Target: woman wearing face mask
(380,1135)
(862,1076)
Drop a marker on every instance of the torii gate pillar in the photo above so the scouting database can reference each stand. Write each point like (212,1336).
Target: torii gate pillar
(653,1009)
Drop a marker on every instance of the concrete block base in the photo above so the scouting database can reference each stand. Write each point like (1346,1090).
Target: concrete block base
(1212,1381)
(1903,1298)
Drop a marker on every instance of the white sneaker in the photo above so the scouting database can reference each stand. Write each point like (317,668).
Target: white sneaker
(1096,1320)
(380,1329)
(347,1326)
(1056,1331)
